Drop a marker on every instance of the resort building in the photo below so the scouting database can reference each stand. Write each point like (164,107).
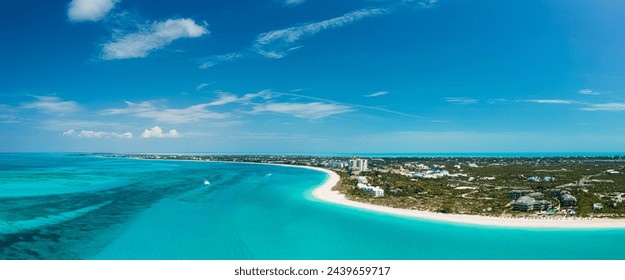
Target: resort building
(362,180)
(375,191)
(597,206)
(433,173)
(567,200)
(358,164)
(536,195)
(515,194)
(533,179)
(526,203)
(554,192)
(337,164)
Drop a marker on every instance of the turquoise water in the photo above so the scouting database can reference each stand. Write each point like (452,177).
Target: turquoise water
(67,206)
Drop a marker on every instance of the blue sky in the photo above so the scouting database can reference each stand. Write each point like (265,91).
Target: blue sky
(312,76)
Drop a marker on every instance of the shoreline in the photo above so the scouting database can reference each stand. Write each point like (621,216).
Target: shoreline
(325,193)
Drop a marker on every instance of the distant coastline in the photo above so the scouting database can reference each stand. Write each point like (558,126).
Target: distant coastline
(325,193)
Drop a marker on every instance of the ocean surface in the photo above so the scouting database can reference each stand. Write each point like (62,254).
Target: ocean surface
(71,206)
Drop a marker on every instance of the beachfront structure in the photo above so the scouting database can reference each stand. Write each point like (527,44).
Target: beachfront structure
(567,200)
(362,180)
(337,164)
(536,195)
(375,191)
(526,203)
(533,179)
(515,194)
(597,206)
(554,192)
(612,172)
(358,164)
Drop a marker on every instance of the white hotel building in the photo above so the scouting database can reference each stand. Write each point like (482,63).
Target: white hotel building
(358,164)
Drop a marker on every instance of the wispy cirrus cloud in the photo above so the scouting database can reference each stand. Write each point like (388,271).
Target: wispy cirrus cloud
(202,86)
(614,106)
(97,134)
(7,114)
(149,110)
(227,98)
(552,101)
(425,3)
(312,110)
(293,2)
(218,59)
(278,43)
(462,100)
(581,105)
(376,94)
(351,105)
(152,37)
(89,10)
(587,91)
(52,105)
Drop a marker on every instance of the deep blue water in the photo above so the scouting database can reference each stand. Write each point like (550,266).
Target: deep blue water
(56,206)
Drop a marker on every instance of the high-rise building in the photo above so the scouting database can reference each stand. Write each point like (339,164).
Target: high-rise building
(358,164)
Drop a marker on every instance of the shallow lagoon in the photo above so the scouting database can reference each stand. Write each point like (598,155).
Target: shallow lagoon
(68,206)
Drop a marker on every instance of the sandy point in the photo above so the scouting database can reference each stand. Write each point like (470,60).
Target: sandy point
(325,193)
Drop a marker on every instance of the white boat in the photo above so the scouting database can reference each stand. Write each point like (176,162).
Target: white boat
(207,183)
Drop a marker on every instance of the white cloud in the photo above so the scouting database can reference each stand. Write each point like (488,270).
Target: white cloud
(461,100)
(153,37)
(92,134)
(207,64)
(376,94)
(278,43)
(551,101)
(293,2)
(587,91)
(99,134)
(605,107)
(157,132)
(125,135)
(89,10)
(147,109)
(227,98)
(52,105)
(313,110)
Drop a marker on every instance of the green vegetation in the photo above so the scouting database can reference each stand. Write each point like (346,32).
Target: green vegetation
(584,178)
(474,185)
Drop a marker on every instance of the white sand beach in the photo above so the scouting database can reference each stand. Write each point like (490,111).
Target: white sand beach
(325,193)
